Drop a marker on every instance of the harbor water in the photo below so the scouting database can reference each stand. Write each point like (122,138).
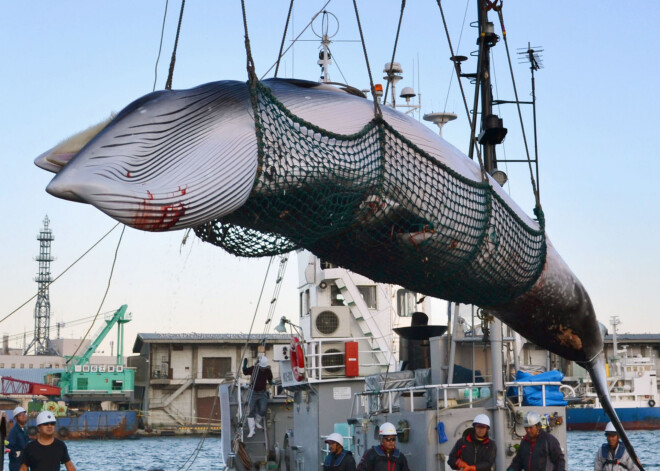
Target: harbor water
(173,453)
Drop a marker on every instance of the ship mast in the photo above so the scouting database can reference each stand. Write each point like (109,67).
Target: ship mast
(491,134)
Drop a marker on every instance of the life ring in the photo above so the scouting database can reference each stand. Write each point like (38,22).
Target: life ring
(651,403)
(63,432)
(297,359)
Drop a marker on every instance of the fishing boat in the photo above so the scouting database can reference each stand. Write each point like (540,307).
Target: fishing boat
(633,386)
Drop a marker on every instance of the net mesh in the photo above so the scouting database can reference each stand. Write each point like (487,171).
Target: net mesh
(378,205)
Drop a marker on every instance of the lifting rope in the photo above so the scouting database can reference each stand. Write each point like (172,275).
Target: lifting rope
(396,42)
(168,85)
(286,28)
(377,111)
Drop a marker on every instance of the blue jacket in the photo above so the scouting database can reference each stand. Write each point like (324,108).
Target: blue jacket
(17,439)
(344,461)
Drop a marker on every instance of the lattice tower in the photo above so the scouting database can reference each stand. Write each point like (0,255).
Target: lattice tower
(41,341)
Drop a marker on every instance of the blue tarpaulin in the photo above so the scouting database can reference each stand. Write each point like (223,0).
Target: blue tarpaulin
(533,396)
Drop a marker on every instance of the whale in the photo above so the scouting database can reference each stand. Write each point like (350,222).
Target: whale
(196,158)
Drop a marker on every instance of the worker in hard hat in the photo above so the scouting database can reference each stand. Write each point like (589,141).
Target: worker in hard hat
(474,451)
(386,456)
(46,452)
(613,456)
(259,396)
(17,439)
(538,450)
(338,459)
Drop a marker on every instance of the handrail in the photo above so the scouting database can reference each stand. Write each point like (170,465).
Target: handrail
(445,388)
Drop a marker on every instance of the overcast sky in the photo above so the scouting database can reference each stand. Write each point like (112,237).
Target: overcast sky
(68,64)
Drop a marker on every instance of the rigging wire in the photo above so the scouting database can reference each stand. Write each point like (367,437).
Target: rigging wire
(286,27)
(107,288)
(396,42)
(168,84)
(61,274)
(195,453)
(460,84)
(160,46)
(293,41)
(458,46)
(522,126)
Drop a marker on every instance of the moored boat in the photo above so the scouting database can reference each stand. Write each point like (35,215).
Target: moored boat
(633,387)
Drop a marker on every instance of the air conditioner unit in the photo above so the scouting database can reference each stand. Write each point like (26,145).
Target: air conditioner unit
(85,368)
(111,368)
(94,368)
(331,321)
(333,359)
(119,368)
(101,368)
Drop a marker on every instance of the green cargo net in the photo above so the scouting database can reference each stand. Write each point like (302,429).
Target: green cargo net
(376,204)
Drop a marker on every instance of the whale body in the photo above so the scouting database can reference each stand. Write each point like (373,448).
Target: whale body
(187,158)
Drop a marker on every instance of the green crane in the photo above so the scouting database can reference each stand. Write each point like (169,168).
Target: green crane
(82,382)
(120,318)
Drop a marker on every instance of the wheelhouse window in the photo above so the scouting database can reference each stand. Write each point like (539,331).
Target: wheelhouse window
(368,293)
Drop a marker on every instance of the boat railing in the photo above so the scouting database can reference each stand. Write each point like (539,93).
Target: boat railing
(445,396)
(330,362)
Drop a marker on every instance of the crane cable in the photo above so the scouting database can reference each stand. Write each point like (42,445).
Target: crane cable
(168,84)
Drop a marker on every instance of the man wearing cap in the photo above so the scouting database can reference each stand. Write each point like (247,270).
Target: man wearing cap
(613,456)
(17,439)
(46,453)
(538,449)
(338,459)
(386,456)
(474,451)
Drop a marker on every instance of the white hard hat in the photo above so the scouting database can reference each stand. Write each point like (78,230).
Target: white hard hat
(531,418)
(19,410)
(45,417)
(263,361)
(335,437)
(610,428)
(481,419)
(387,429)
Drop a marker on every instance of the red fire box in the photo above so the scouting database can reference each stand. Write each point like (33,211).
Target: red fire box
(352,366)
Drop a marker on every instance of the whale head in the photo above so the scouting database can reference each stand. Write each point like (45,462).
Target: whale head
(169,160)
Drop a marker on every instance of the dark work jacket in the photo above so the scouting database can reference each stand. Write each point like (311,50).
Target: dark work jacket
(543,455)
(264,375)
(344,461)
(474,452)
(375,459)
